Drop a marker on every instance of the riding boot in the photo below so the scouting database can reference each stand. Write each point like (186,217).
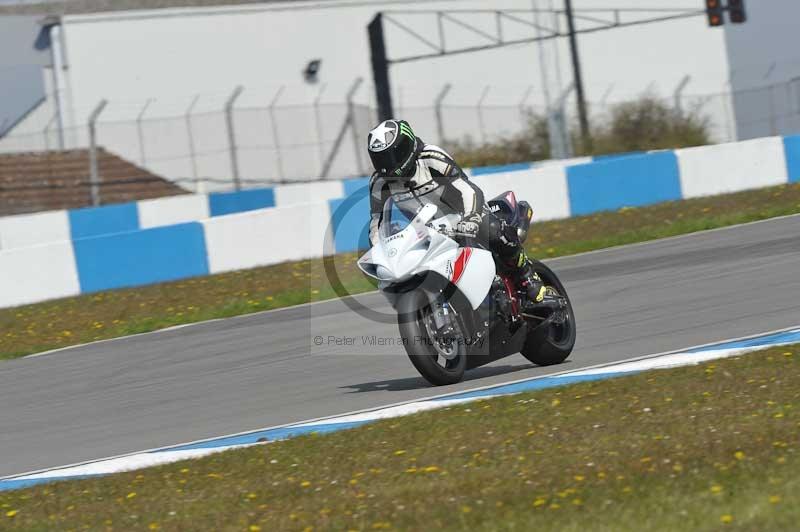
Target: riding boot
(528,279)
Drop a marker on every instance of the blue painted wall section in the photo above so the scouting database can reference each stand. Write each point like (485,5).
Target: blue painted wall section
(350,217)
(95,221)
(220,203)
(141,257)
(623,182)
(791,146)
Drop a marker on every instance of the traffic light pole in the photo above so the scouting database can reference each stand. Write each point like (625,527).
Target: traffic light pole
(583,119)
(380,68)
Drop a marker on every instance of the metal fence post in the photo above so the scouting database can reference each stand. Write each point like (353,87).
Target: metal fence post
(438,107)
(337,143)
(94,174)
(46,132)
(190,138)
(275,135)
(677,95)
(773,119)
(142,157)
(351,117)
(480,113)
(522,101)
(318,127)
(232,136)
(558,128)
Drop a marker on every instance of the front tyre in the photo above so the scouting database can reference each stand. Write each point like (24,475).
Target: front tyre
(551,344)
(438,353)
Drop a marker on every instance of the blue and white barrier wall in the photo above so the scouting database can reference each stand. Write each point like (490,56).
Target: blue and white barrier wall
(159,254)
(196,242)
(31,229)
(52,226)
(585,186)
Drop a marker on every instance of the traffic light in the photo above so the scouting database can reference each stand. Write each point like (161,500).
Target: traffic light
(714,12)
(736,11)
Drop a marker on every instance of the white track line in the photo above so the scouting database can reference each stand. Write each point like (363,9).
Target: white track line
(634,364)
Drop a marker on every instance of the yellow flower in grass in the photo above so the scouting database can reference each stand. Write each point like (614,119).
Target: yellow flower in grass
(12,513)
(716,488)
(726,519)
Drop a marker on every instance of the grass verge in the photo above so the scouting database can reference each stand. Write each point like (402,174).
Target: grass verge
(60,323)
(695,448)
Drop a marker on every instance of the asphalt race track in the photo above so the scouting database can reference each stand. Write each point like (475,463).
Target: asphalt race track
(261,370)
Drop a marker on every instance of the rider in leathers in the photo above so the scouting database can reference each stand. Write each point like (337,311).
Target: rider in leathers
(414,173)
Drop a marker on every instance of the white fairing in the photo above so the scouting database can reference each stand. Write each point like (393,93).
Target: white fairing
(420,248)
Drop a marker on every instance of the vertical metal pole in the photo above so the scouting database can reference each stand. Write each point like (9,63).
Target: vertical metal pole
(94,174)
(318,127)
(438,108)
(45,132)
(380,68)
(542,60)
(190,138)
(480,113)
(232,136)
(54,64)
(773,126)
(337,143)
(522,101)
(583,118)
(556,51)
(608,92)
(276,138)
(351,117)
(677,95)
(142,157)
(557,128)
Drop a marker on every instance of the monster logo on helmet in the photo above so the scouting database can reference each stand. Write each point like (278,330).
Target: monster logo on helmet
(392,148)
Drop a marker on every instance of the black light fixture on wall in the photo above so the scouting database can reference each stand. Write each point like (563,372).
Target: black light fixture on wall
(311,72)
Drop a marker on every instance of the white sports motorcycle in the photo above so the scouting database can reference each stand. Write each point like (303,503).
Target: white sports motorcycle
(455,311)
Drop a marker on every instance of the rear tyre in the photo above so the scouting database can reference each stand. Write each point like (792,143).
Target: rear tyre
(439,360)
(552,344)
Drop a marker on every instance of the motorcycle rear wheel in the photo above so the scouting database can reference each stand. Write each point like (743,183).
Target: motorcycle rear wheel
(440,363)
(553,345)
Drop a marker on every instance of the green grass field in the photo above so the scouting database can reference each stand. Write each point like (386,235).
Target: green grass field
(708,447)
(53,324)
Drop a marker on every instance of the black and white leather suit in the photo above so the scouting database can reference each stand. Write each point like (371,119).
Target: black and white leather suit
(439,180)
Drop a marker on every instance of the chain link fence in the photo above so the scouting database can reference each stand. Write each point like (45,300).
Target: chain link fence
(222,148)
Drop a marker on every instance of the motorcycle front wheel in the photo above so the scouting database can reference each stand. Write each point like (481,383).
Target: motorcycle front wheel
(439,354)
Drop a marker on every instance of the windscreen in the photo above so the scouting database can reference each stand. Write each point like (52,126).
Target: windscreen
(394,219)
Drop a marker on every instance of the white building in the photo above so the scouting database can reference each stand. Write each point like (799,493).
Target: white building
(168,73)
